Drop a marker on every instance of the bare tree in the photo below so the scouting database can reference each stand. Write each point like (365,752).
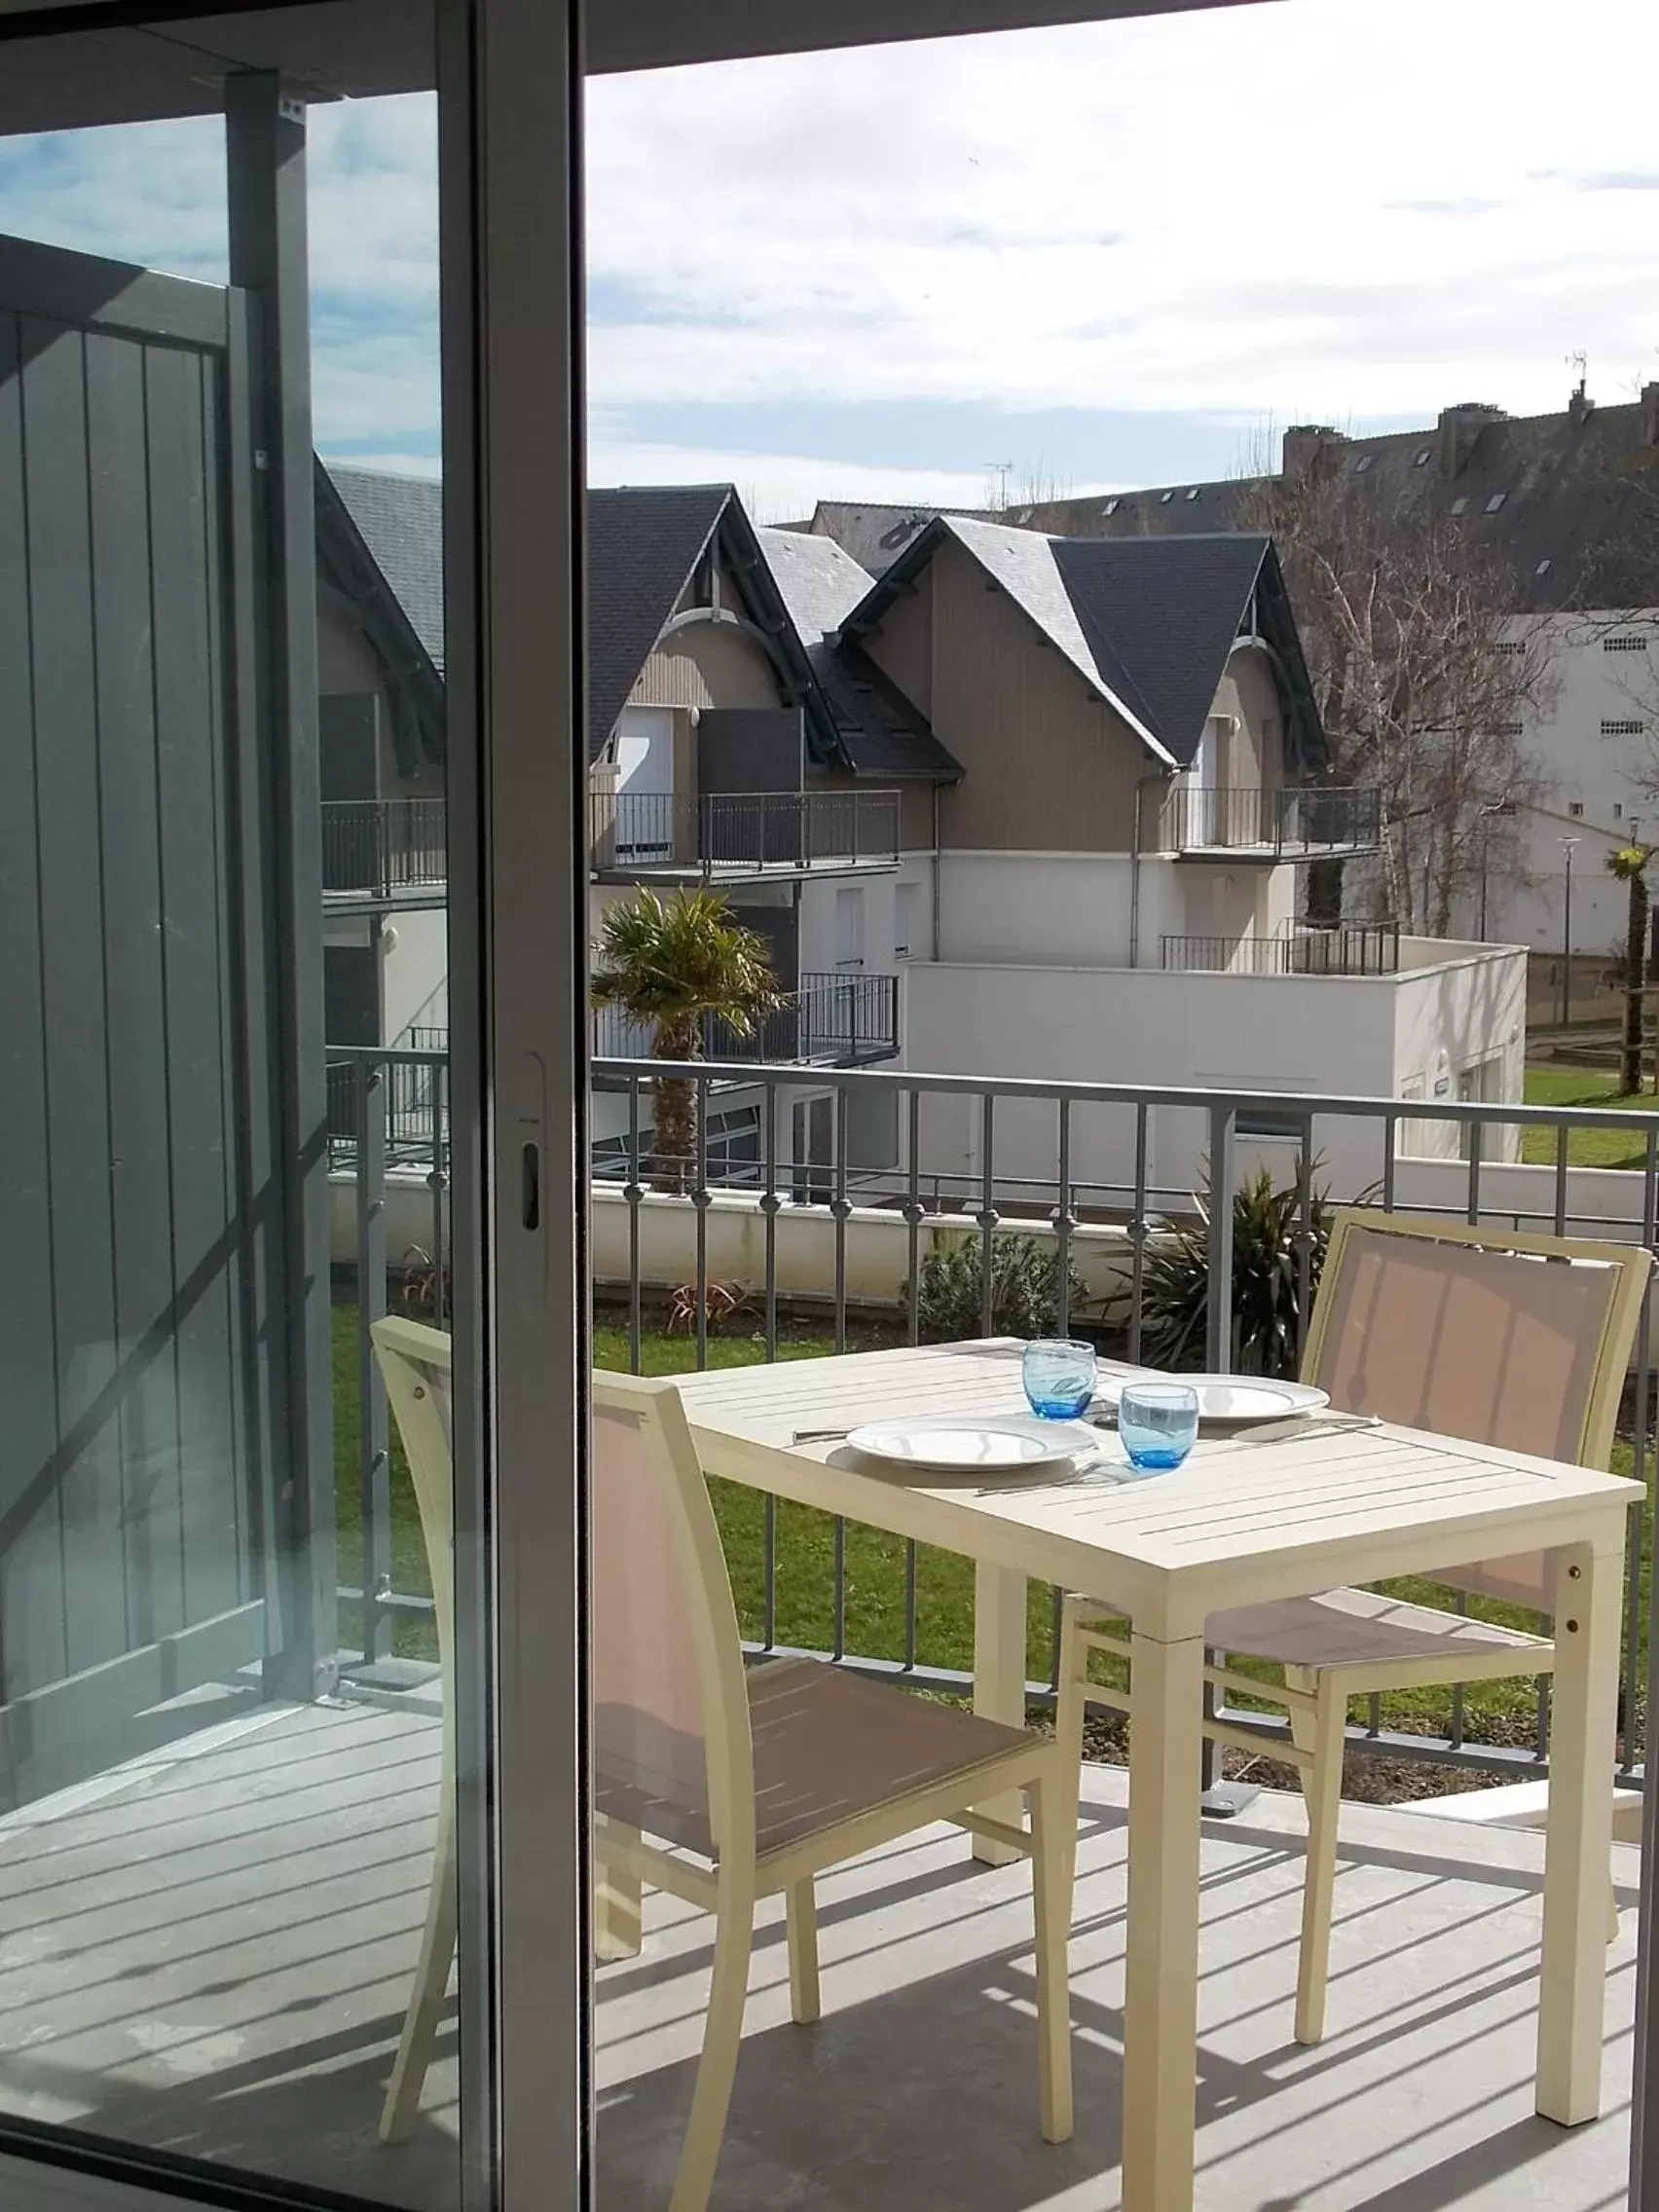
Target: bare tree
(1423,672)
(1021,492)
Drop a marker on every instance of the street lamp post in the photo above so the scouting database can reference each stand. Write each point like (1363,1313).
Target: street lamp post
(1567,846)
(1499,806)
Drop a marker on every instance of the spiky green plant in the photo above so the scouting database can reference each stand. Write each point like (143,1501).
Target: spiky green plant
(1266,1282)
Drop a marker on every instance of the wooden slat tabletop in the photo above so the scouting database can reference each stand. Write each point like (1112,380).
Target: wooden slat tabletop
(1244,1520)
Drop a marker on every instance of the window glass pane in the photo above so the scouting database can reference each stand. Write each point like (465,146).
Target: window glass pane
(224,1134)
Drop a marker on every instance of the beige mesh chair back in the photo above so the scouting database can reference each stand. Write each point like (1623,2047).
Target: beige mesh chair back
(1492,1336)
(672,1749)
(415,1363)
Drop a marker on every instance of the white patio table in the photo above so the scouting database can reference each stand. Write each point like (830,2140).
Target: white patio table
(1240,1524)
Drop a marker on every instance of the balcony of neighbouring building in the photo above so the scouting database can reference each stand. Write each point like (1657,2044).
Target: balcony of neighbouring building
(1341,948)
(385,852)
(1270,825)
(830,1021)
(733,837)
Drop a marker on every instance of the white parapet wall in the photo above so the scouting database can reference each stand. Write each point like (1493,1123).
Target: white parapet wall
(878,1247)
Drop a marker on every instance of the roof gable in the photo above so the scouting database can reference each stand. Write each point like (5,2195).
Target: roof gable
(883,733)
(1170,610)
(400,519)
(643,546)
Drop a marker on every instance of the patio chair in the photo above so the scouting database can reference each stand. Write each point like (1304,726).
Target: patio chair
(1493,1337)
(415,1364)
(725,1785)
(718,1784)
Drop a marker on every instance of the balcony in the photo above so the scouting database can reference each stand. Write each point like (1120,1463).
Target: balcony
(832,1020)
(282,1867)
(1420,2099)
(1344,948)
(1300,821)
(732,836)
(391,852)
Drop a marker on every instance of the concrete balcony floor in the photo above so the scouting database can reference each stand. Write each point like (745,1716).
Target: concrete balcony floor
(208,1952)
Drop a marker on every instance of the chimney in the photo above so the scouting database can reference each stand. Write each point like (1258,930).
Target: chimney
(1460,428)
(1580,407)
(1650,414)
(1307,445)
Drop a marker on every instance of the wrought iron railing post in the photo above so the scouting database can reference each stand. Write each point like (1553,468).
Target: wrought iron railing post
(1218,1319)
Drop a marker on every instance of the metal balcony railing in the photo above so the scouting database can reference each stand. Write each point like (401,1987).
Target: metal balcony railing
(737,833)
(833,1021)
(379,847)
(1344,948)
(397,1144)
(1295,822)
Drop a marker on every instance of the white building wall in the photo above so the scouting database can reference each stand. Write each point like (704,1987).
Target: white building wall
(415,988)
(1055,909)
(1594,788)
(1356,1036)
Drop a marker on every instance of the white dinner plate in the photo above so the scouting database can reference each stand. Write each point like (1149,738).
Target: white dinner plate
(1230,1397)
(966,1446)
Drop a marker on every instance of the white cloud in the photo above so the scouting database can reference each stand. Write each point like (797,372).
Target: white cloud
(1308,209)
(1296,209)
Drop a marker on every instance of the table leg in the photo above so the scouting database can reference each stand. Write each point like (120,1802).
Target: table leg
(616,1905)
(1578,1842)
(1160,1987)
(999,1681)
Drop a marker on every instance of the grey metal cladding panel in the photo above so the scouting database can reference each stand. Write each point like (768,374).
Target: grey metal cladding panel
(349,745)
(751,748)
(249,808)
(197,1514)
(780,926)
(146,1382)
(233,1016)
(28,1385)
(72,963)
(111,295)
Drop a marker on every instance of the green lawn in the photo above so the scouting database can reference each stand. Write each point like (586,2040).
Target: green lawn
(874,1561)
(1586,1148)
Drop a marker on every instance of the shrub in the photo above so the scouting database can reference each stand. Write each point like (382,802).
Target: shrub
(1025,1282)
(1267,1314)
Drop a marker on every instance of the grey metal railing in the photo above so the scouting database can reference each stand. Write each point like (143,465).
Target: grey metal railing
(1049,1195)
(1341,948)
(715,834)
(832,1020)
(379,847)
(1294,819)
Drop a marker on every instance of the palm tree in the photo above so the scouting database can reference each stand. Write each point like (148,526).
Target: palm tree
(673,963)
(1630,864)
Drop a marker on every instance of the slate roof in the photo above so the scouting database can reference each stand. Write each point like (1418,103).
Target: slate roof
(381,539)
(380,546)
(882,732)
(1147,623)
(644,543)
(401,521)
(874,535)
(1569,500)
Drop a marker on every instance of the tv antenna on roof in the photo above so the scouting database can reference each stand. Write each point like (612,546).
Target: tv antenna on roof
(1002,470)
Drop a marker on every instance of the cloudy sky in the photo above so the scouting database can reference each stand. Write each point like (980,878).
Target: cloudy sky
(1118,255)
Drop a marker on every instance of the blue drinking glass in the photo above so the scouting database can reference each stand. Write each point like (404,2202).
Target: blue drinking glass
(1158,1423)
(1059,1377)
